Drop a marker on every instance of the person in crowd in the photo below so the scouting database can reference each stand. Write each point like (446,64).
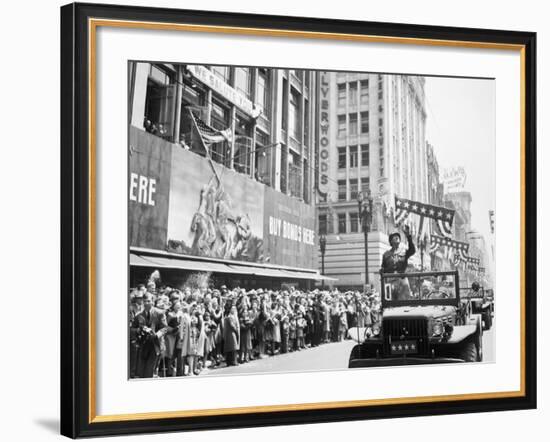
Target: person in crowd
(136,307)
(245,323)
(174,318)
(300,326)
(231,335)
(210,328)
(292,332)
(196,343)
(150,326)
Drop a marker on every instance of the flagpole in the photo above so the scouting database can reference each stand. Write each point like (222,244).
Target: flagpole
(204,146)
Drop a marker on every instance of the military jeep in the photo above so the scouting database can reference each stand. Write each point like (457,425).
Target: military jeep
(481,302)
(421,321)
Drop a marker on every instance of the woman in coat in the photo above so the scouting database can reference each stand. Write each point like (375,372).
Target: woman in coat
(231,336)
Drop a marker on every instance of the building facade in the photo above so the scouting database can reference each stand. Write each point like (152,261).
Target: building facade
(221,171)
(371,137)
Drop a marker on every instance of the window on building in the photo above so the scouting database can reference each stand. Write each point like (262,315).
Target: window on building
(342,158)
(243,80)
(342,94)
(263,155)
(365,184)
(224,72)
(284,106)
(365,155)
(380,95)
(354,222)
(294,175)
(294,115)
(342,223)
(342,191)
(353,158)
(353,124)
(365,122)
(323,224)
(364,91)
(160,101)
(262,92)
(353,188)
(353,93)
(341,126)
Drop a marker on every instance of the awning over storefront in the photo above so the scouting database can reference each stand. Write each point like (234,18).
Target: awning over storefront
(171,262)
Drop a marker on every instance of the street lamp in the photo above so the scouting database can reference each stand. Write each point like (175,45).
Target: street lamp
(365,214)
(323,246)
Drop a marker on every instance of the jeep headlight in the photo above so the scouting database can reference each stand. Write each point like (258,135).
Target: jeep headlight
(438,328)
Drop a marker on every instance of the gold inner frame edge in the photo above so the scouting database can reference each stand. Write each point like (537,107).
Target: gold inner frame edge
(93,24)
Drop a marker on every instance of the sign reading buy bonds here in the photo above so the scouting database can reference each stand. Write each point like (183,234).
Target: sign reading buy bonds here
(324,131)
(288,230)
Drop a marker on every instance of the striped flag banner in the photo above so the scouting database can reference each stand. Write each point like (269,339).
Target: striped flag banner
(459,246)
(442,215)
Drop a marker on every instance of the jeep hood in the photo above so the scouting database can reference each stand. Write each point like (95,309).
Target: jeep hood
(423,311)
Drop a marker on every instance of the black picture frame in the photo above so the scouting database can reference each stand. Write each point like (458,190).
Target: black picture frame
(77,252)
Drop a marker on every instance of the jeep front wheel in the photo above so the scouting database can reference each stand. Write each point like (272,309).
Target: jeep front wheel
(468,352)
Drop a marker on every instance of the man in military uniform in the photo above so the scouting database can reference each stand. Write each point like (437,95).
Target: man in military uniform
(396,260)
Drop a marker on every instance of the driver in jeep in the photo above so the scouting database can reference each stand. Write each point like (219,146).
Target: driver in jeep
(396,260)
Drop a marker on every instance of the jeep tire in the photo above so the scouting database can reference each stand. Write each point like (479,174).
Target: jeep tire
(487,320)
(468,352)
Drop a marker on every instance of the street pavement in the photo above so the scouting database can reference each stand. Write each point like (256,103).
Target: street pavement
(331,356)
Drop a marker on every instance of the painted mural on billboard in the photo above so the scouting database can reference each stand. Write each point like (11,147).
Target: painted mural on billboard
(148,189)
(214,212)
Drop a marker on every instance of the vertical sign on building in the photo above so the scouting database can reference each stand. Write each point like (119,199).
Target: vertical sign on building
(324,131)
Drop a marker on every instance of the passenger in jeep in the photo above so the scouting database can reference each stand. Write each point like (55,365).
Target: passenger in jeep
(396,260)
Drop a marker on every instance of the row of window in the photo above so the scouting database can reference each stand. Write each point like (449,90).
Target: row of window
(348,124)
(344,195)
(346,222)
(350,156)
(349,91)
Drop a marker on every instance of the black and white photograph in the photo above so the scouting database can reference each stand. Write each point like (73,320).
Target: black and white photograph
(288,220)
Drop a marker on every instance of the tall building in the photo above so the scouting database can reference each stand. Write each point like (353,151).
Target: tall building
(221,172)
(371,136)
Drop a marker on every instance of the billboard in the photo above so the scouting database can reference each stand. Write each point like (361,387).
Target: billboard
(148,190)
(186,203)
(454,179)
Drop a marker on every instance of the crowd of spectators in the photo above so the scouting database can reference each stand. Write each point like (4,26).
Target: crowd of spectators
(180,332)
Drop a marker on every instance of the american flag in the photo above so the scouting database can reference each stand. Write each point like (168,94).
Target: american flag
(443,216)
(460,247)
(208,134)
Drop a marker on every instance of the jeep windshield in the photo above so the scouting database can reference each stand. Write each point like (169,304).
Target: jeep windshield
(422,288)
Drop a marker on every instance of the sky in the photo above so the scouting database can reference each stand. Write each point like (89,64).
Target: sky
(461,127)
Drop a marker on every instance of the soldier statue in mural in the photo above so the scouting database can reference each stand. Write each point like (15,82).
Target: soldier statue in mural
(219,231)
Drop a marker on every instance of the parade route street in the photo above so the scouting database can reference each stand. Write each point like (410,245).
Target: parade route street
(332,356)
